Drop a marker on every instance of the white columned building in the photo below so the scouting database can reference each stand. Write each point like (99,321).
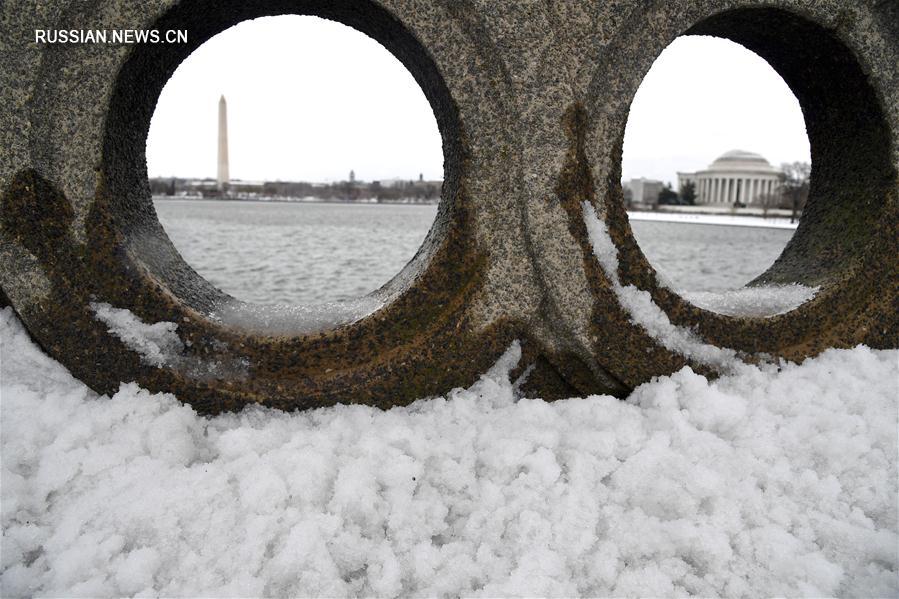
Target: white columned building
(735,176)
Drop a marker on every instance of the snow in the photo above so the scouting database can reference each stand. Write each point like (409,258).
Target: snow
(773,480)
(766,300)
(157,343)
(283,319)
(643,311)
(748,301)
(733,220)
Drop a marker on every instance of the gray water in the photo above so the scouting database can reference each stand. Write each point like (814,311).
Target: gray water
(301,253)
(716,258)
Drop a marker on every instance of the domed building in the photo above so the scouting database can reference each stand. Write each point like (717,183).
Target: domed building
(735,176)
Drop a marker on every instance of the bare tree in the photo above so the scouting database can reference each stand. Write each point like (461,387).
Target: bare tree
(768,201)
(795,185)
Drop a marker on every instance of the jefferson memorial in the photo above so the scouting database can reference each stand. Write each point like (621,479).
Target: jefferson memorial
(735,176)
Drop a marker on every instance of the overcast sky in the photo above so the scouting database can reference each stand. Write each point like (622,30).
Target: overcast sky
(702,97)
(310,99)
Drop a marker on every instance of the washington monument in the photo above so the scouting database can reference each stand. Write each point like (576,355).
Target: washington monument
(223,176)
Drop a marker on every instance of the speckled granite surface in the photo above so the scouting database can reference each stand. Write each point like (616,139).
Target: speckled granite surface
(532,100)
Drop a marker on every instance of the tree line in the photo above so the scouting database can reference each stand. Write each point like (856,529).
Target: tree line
(341,191)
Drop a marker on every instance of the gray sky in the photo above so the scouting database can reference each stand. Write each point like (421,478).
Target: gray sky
(310,99)
(702,97)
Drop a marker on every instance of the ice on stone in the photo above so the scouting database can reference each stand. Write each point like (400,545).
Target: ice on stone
(764,300)
(283,319)
(157,343)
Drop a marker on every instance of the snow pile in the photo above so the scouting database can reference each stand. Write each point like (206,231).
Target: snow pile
(767,482)
(768,300)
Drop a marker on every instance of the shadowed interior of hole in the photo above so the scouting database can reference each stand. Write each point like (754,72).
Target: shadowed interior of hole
(150,66)
(714,121)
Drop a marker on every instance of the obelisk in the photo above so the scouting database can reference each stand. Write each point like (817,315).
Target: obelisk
(223,176)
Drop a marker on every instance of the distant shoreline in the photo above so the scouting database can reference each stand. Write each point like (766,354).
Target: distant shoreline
(306,200)
(695,217)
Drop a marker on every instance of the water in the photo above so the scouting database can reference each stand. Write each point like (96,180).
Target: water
(295,253)
(301,253)
(709,257)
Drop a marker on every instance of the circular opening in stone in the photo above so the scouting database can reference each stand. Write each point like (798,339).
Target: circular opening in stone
(716,170)
(294,160)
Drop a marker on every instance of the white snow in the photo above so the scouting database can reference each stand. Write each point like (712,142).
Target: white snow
(747,301)
(157,343)
(776,480)
(643,311)
(733,220)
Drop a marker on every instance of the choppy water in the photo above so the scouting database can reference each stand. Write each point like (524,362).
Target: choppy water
(296,253)
(709,257)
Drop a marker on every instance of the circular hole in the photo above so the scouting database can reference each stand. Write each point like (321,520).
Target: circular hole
(334,161)
(716,171)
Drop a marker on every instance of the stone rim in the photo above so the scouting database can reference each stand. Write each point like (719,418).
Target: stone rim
(124,163)
(855,303)
(817,254)
(424,340)
(540,134)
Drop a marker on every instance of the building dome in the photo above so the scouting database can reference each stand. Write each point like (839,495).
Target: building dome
(735,177)
(741,160)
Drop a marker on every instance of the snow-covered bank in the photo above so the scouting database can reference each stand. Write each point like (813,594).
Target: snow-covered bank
(714,219)
(764,482)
